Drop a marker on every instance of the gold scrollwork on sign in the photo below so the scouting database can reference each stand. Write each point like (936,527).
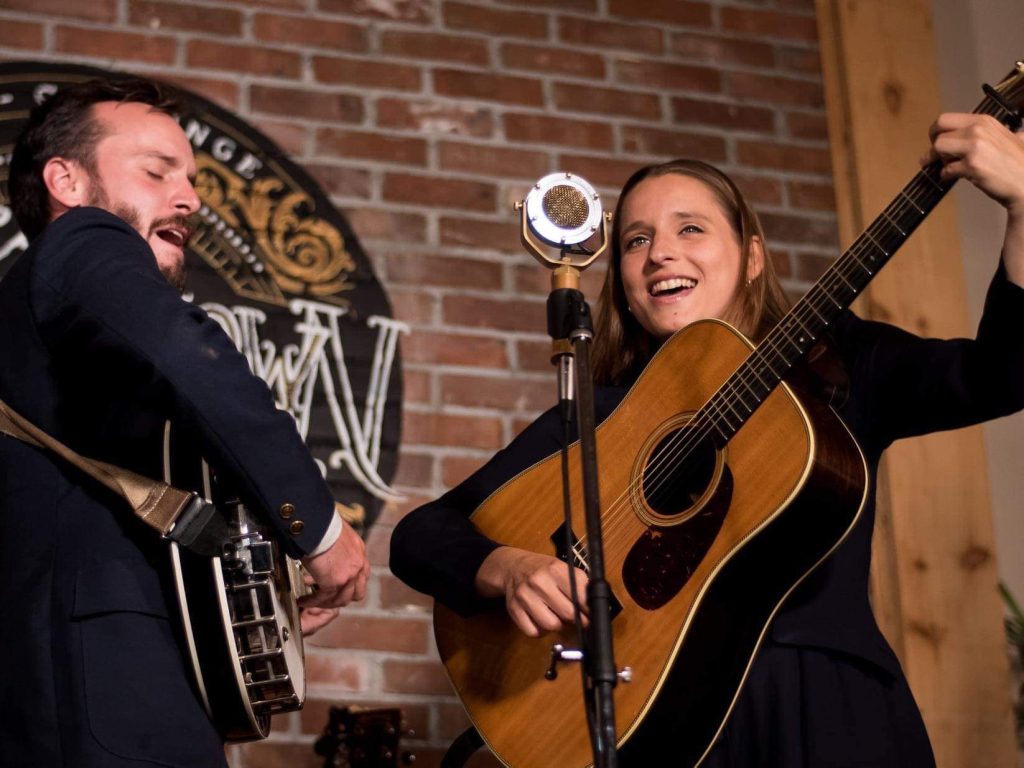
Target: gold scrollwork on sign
(303,255)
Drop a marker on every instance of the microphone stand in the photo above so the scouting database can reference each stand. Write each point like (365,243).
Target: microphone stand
(571,330)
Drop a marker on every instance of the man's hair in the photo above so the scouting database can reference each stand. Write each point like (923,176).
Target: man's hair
(65,126)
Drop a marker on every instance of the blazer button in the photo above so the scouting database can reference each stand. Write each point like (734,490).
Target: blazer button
(287,510)
(296,527)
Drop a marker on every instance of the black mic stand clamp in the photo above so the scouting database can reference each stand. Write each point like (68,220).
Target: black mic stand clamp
(562,212)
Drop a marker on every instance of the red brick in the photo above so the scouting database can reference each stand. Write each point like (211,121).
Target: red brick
(451,720)
(769,23)
(488,87)
(378,224)
(309,32)
(340,671)
(374,633)
(550,60)
(409,502)
(108,44)
(412,306)
(492,21)
(395,595)
(315,715)
(805,60)
(319,105)
(505,393)
(249,59)
(418,11)
(782,227)
(601,171)
(610,101)
(490,160)
(339,181)
(374,146)
(297,4)
(668,143)
(721,114)
(378,545)
(162,15)
(764,154)
(21,34)
(448,429)
(454,349)
(535,279)
(816,197)
(418,677)
(492,235)
(759,190)
(501,314)
(416,386)
(432,45)
(430,269)
(222,92)
(671,11)
(439,192)
(455,469)
(277,754)
(722,50)
(775,90)
(542,129)
(534,355)
(810,266)
(414,469)
(435,118)
(666,76)
(293,138)
(560,5)
(599,35)
(367,72)
(97,10)
(802,125)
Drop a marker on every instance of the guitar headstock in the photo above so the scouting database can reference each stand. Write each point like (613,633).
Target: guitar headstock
(1005,100)
(363,738)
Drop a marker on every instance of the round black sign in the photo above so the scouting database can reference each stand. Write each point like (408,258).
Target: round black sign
(281,270)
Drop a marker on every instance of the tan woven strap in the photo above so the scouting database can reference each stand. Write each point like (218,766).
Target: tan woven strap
(155,503)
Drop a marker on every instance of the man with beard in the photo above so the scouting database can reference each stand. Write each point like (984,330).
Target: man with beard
(98,349)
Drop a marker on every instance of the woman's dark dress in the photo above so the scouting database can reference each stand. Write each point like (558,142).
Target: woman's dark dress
(825,688)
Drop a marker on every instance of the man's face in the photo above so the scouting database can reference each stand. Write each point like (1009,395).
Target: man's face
(143,172)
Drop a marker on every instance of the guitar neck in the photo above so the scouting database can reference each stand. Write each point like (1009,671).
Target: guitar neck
(811,317)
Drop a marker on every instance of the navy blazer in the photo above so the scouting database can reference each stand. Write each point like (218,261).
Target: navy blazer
(99,350)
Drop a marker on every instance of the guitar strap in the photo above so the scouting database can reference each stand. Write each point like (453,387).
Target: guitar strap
(184,517)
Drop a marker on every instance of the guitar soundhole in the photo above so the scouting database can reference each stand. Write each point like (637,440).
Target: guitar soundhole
(679,472)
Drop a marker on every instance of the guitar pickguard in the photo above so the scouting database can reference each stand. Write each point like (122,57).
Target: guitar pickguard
(664,557)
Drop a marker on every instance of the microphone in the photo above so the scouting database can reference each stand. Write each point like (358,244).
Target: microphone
(562,210)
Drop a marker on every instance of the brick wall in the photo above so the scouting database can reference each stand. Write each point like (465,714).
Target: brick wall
(425,120)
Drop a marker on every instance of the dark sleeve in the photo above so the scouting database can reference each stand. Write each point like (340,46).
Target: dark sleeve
(436,550)
(98,290)
(906,385)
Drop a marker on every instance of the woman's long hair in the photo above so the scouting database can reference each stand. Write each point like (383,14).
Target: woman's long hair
(621,345)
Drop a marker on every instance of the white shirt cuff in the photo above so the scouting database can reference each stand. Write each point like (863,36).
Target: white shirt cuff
(330,536)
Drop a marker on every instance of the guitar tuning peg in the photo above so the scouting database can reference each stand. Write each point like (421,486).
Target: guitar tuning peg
(408,758)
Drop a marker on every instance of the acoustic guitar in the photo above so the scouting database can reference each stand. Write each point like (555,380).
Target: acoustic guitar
(712,485)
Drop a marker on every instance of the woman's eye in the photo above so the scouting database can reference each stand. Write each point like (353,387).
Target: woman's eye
(691,229)
(635,242)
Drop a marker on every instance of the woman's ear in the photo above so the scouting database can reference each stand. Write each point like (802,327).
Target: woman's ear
(67,182)
(755,262)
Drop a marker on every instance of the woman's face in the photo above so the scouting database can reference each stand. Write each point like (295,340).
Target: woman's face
(680,256)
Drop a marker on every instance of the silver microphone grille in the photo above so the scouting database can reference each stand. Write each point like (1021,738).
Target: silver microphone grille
(562,209)
(565,206)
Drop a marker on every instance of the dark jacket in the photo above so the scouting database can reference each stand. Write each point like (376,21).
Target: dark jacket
(99,350)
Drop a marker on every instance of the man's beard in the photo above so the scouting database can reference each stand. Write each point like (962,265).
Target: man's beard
(173,273)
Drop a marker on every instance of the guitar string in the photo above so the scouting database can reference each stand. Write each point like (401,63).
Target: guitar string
(660,470)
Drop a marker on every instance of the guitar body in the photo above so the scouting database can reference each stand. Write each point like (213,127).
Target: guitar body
(699,565)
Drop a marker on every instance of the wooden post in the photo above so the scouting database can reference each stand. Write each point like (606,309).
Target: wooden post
(934,572)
